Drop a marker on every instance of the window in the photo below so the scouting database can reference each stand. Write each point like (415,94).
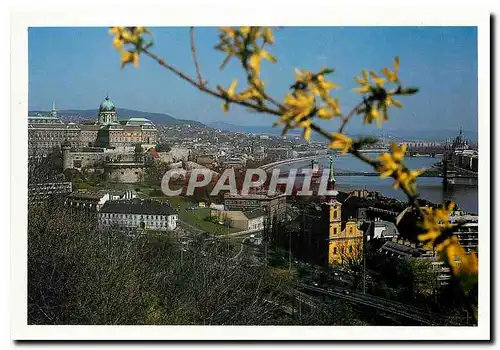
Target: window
(335,214)
(334,250)
(350,249)
(343,250)
(334,230)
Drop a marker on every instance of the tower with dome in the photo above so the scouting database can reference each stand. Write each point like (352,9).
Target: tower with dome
(107,112)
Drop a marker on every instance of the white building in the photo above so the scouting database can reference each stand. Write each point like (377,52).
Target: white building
(121,195)
(138,214)
(384,229)
(468,232)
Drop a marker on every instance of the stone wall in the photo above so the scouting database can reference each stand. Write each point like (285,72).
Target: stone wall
(124,174)
(79,160)
(175,154)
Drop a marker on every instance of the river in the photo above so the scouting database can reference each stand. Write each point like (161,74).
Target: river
(430,188)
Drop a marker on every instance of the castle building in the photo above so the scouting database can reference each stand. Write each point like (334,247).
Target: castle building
(47,133)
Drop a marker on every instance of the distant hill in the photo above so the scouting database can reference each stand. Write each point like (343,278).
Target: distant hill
(438,134)
(255,129)
(395,134)
(123,113)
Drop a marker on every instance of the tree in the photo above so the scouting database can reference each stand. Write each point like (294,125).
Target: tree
(352,261)
(79,274)
(163,147)
(155,170)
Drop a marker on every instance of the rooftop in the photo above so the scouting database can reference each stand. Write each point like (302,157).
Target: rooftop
(253,196)
(137,206)
(398,248)
(138,121)
(87,195)
(253,214)
(107,105)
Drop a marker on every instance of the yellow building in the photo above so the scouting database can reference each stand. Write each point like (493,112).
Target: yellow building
(345,237)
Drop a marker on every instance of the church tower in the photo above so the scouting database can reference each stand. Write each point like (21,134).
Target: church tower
(345,238)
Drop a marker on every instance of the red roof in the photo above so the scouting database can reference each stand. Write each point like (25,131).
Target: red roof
(153,152)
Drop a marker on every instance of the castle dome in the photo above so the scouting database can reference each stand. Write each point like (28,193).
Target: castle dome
(107,105)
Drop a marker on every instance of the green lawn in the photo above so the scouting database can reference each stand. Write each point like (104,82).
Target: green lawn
(196,217)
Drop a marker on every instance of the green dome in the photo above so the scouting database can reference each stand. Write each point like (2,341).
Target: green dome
(107,105)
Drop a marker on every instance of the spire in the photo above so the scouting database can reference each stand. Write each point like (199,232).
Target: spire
(331,177)
(106,93)
(53,112)
(460,131)
(330,186)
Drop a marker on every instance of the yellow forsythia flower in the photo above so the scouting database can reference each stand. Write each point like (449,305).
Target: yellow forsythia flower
(315,82)
(299,105)
(390,101)
(379,82)
(341,141)
(268,35)
(230,93)
(391,165)
(398,153)
(363,81)
(435,221)
(406,179)
(306,124)
(387,165)
(454,254)
(129,57)
(392,76)
(374,114)
(243,44)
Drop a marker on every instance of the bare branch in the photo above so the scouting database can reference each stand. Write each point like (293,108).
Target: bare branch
(346,119)
(203,88)
(195,58)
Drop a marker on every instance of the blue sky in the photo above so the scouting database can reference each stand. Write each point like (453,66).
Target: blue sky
(75,66)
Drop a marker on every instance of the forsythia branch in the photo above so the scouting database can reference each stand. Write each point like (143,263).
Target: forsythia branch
(195,58)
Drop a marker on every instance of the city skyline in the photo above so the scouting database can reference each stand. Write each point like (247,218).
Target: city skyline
(441,61)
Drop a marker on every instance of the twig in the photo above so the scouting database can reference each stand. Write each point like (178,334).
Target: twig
(203,88)
(195,58)
(346,119)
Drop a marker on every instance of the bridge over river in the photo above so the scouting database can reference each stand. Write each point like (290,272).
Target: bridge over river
(345,172)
